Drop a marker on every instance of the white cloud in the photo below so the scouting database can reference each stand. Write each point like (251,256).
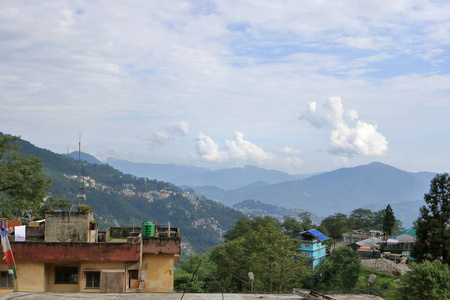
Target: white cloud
(240,152)
(169,133)
(362,139)
(289,150)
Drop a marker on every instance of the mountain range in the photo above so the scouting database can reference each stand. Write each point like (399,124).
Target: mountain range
(371,186)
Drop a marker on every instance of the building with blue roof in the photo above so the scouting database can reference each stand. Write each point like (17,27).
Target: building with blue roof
(312,245)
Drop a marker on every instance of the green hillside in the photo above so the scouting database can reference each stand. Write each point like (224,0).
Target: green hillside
(119,199)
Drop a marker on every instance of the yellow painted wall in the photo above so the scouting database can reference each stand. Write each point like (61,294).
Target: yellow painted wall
(30,276)
(159,269)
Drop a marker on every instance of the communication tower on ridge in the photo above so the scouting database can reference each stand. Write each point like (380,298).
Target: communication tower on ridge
(81,195)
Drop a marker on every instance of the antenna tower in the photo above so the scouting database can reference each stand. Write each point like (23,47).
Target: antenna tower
(81,195)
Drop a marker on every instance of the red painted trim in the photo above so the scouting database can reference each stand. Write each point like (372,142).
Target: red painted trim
(77,252)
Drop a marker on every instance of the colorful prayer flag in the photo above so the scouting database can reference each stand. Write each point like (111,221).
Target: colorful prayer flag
(9,256)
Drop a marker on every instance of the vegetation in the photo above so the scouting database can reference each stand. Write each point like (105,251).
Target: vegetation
(388,220)
(433,235)
(266,252)
(385,285)
(338,273)
(426,281)
(23,185)
(361,219)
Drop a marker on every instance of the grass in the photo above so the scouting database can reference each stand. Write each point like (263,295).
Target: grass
(385,285)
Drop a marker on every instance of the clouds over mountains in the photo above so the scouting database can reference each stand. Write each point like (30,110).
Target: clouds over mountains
(348,136)
(240,152)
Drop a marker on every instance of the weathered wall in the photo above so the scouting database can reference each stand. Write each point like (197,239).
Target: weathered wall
(67,226)
(159,269)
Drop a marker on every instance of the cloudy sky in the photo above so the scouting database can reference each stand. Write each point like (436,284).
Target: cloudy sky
(297,86)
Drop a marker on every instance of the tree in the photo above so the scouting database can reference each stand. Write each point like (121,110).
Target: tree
(388,220)
(291,226)
(433,236)
(265,251)
(336,225)
(244,225)
(22,183)
(305,220)
(361,219)
(339,272)
(429,280)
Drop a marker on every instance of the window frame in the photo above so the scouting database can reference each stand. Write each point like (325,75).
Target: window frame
(5,277)
(92,279)
(66,275)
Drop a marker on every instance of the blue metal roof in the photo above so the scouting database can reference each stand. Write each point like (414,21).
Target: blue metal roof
(317,234)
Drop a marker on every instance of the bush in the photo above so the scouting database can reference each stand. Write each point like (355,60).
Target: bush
(385,285)
(338,273)
(429,280)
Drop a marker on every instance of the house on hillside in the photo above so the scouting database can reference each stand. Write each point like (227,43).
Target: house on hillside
(354,236)
(312,245)
(403,240)
(67,253)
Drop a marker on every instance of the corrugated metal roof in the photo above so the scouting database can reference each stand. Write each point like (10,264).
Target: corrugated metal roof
(411,231)
(370,242)
(317,234)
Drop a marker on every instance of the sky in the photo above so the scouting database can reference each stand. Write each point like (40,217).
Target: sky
(297,86)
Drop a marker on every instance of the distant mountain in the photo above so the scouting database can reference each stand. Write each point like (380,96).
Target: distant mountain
(84,157)
(234,177)
(259,209)
(231,178)
(341,190)
(165,172)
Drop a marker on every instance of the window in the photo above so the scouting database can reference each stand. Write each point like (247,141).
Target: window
(92,279)
(5,280)
(133,274)
(306,245)
(66,275)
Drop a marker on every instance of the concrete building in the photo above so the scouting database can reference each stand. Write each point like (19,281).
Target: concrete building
(67,253)
(312,246)
(403,240)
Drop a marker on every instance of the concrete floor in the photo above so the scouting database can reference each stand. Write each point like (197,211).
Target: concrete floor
(148,296)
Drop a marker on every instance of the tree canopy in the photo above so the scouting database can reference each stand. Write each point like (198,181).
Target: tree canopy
(433,234)
(266,252)
(428,280)
(22,183)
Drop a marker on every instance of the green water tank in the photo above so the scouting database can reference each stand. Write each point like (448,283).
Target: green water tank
(148,229)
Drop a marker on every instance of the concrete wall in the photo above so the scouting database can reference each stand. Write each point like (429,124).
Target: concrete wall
(159,269)
(67,226)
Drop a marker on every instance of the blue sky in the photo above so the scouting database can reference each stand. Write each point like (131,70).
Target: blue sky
(297,86)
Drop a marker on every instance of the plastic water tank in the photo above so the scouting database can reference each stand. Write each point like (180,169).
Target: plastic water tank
(148,229)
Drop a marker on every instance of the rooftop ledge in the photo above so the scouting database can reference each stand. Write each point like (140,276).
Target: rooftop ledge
(54,251)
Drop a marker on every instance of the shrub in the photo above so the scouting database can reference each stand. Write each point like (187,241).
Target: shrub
(429,280)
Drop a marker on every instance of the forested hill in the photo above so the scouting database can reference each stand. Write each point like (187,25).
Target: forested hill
(122,199)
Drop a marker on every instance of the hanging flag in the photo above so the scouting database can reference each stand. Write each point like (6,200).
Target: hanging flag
(9,256)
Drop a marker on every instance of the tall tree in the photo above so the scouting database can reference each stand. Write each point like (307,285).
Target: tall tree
(305,220)
(433,234)
(22,183)
(266,252)
(361,219)
(245,225)
(336,225)
(291,226)
(388,220)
